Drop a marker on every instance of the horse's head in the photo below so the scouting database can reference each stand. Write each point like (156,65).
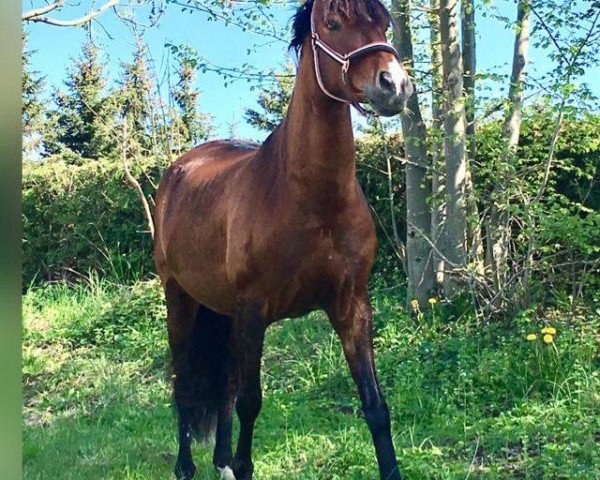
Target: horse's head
(353,60)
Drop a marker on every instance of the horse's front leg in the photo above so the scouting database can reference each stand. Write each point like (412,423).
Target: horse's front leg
(249,334)
(351,318)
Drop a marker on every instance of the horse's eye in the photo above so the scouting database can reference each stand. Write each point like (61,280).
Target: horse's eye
(333,25)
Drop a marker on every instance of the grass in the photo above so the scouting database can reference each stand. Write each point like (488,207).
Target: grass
(468,401)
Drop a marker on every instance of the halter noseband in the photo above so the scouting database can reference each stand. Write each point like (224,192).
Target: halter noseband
(343,60)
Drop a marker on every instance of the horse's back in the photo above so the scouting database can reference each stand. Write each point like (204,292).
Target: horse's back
(201,165)
(209,159)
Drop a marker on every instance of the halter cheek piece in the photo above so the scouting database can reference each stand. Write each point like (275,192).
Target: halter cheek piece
(343,60)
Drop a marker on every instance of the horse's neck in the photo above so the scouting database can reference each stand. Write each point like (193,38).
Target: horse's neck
(317,138)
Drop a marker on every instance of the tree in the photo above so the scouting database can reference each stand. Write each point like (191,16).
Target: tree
(39,14)
(453,238)
(135,103)
(192,125)
(474,241)
(273,102)
(436,135)
(45,12)
(498,227)
(83,122)
(33,108)
(469,70)
(419,257)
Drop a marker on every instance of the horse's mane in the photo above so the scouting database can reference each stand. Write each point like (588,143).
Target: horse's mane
(301,26)
(301,19)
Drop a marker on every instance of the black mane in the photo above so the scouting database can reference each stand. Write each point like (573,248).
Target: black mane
(301,19)
(301,26)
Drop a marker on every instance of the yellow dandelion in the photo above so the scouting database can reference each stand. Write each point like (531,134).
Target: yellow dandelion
(551,330)
(432,301)
(531,337)
(548,338)
(414,304)
(544,330)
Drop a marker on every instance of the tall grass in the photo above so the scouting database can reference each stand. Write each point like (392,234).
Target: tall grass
(467,400)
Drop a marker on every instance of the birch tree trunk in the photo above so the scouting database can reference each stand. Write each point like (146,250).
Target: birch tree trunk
(469,67)
(421,279)
(474,241)
(498,229)
(453,242)
(438,204)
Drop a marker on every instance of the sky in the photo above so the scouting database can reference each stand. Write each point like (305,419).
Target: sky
(56,47)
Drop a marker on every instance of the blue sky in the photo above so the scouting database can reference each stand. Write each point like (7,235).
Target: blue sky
(227,46)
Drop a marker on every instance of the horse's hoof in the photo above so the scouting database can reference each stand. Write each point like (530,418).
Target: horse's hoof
(242,471)
(226,473)
(185,470)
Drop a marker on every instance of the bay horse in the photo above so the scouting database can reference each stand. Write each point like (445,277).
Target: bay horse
(249,234)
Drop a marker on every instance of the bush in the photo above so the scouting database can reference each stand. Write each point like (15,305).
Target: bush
(371,170)
(555,235)
(80,218)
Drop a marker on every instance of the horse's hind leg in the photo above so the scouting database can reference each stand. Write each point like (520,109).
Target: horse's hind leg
(247,337)
(181,316)
(223,455)
(205,378)
(224,383)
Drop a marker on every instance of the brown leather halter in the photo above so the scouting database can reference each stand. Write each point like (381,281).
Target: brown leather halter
(344,60)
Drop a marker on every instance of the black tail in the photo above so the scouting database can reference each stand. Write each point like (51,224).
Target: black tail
(203,373)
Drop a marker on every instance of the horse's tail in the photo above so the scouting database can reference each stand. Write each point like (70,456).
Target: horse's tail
(207,372)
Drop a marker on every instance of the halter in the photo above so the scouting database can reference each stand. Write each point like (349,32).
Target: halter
(343,60)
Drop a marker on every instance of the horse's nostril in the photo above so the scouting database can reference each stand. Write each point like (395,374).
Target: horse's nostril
(386,82)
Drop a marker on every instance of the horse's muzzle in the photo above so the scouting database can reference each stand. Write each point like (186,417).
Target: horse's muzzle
(389,94)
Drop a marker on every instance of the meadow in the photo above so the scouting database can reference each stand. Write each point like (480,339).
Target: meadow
(469,399)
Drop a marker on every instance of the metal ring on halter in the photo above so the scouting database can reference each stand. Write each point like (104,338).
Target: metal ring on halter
(343,60)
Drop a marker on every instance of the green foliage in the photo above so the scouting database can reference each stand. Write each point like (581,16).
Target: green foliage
(465,398)
(192,126)
(85,217)
(273,102)
(135,103)
(82,124)
(560,231)
(372,173)
(33,109)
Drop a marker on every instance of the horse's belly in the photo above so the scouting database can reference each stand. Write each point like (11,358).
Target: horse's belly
(210,291)
(197,261)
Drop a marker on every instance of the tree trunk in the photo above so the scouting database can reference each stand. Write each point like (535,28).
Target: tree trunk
(421,279)
(498,230)
(474,241)
(469,70)
(454,235)
(438,206)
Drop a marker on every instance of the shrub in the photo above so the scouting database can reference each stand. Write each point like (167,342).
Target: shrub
(80,218)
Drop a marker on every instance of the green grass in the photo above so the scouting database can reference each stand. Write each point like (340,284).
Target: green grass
(468,401)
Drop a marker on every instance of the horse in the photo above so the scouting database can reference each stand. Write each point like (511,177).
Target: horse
(250,234)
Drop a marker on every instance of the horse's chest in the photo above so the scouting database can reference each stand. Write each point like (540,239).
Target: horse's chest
(306,270)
